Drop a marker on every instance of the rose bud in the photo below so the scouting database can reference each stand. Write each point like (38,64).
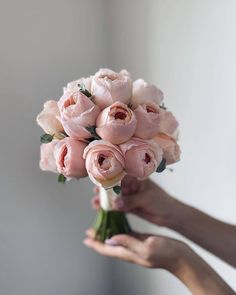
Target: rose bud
(169,124)
(105,163)
(109,87)
(142,157)
(47,158)
(148,117)
(116,123)
(69,158)
(143,92)
(75,85)
(171,150)
(48,119)
(77,112)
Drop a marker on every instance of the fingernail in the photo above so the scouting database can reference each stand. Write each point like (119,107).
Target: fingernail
(111,242)
(119,203)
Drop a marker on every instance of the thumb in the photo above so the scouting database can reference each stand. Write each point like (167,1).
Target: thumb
(131,243)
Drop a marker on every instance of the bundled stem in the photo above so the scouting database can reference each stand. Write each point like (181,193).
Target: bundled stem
(110,223)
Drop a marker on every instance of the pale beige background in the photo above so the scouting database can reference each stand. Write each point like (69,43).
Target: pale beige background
(187,47)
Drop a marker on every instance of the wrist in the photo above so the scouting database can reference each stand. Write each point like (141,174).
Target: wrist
(196,274)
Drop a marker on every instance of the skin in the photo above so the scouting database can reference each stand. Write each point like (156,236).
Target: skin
(147,200)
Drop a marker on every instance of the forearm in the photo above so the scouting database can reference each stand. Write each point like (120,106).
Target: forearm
(198,276)
(215,236)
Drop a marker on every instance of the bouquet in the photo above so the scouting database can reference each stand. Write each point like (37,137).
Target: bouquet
(106,126)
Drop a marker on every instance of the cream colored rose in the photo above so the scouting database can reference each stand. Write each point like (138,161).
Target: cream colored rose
(48,119)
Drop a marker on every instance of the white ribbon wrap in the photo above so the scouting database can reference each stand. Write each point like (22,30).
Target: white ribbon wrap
(106,197)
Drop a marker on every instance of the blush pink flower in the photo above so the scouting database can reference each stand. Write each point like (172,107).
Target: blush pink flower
(169,124)
(109,87)
(116,123)
(148,117)
(142,157)
(47,157)
(144,92)
(171,150)
(77,112)
(73,86)
(48,119)
(69,158)
(105,163)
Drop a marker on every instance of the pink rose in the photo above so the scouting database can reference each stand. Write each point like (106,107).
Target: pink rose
(77,112)
(109,87)
(116,123)
(142,157)
(143,92)
(69,158)
(47,158)
(171,150)
(48,119)
(105,163)
(74,85)
(169,124)
(148,117)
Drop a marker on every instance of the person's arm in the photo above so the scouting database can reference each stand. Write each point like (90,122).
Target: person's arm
(169,254)
(216,236)
(149,201)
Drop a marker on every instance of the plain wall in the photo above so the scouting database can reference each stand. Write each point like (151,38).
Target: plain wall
(44,44)
(187,48)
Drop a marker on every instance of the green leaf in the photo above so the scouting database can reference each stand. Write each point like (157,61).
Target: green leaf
(63,134)
(162,166)
(46,138)
(163,107)
(130,105)
(117,189)
(92,130)
(61,178)
(83,90)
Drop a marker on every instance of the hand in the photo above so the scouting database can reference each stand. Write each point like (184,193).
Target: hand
(145,199)
(142,249)
(162,252)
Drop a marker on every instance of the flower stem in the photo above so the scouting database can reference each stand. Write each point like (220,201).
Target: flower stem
(110,223)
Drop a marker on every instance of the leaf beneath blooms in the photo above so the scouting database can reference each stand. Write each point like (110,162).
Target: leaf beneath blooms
(92,130)
(163,107)
(46,138)
(83,90)
(117,189)
(61,178)
(162,166)
(63,134)
(130,105)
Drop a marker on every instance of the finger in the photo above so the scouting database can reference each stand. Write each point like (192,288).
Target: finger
(132,243)
(95,202)
(91,233)
(111,251)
